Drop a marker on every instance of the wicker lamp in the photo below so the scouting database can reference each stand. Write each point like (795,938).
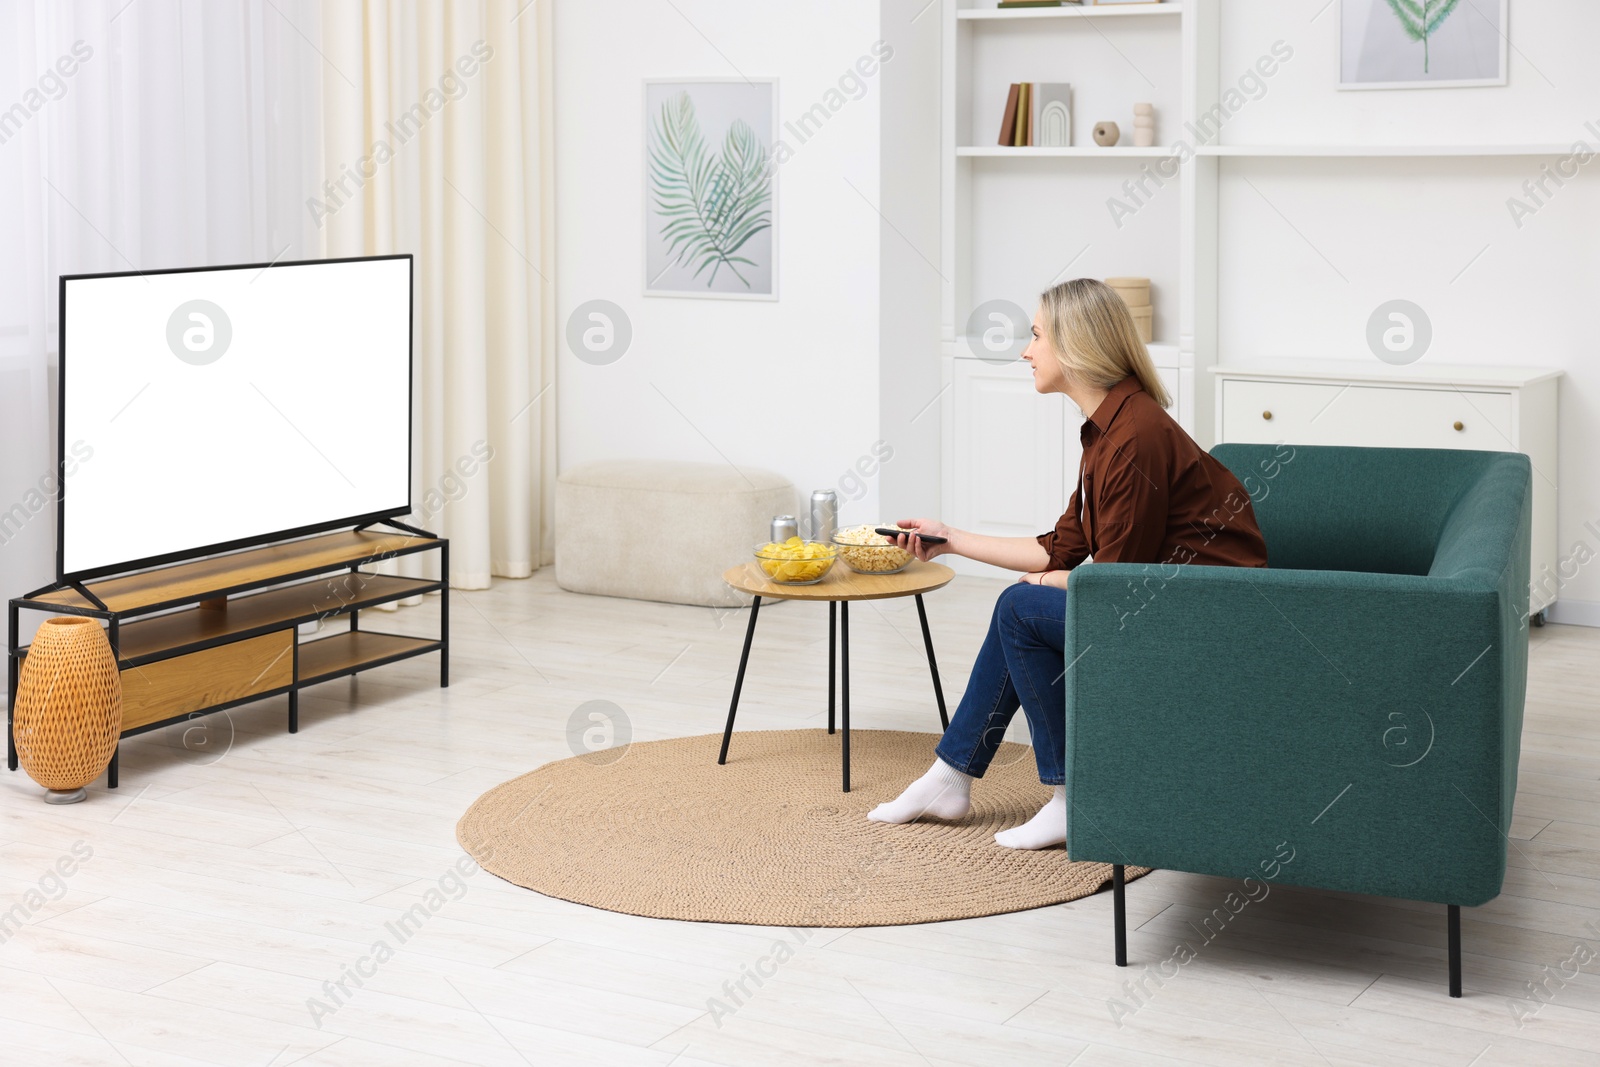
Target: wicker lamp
(69,707)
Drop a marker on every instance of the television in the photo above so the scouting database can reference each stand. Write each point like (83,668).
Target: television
(209,409)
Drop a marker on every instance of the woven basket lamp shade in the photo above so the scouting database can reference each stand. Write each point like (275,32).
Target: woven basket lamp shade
(69,707)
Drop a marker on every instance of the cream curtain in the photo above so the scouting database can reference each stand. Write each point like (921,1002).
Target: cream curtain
(134,137)
(437,141)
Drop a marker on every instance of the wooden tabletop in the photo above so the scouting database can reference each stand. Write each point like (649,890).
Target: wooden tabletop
(842,583)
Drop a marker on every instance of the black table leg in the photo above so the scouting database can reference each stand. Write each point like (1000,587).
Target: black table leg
(833,642)
(111,768)
(927,642)
(738,682)
(844,696)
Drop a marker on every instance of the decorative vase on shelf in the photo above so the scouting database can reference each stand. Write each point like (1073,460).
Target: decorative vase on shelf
(69,707)
(1144,125)
(1106,134)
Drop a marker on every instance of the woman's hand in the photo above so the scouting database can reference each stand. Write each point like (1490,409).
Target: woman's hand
(1057,578)
(912,542)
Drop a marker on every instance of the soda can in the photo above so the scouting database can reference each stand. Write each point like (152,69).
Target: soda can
(784,527)
(824,514)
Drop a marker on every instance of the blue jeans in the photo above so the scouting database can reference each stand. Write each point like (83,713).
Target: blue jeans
(1020,664)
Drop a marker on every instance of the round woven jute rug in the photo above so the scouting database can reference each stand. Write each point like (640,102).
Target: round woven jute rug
(659,829)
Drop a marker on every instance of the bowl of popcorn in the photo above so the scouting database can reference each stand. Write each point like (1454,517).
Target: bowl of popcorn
(796,562)
(866,551)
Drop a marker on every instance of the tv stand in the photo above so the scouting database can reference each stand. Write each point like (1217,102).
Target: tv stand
(205,635)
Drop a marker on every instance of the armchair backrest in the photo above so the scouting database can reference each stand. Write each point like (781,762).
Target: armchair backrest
(1382,510)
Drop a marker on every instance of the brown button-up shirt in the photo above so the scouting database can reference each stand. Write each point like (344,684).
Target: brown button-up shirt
(1148,494)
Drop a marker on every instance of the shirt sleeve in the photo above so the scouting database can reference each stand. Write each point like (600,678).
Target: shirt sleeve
(1066,544)
(1131,506)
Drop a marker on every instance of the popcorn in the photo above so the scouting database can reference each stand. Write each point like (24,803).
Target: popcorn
(869,552)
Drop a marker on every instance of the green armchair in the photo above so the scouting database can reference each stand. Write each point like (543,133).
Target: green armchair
(1349,718)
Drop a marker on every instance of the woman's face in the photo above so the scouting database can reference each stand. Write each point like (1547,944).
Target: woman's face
(1041,355)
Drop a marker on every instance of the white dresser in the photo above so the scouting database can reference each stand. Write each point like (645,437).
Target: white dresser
(1327,402)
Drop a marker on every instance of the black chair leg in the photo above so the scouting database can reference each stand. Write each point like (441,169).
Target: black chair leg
(1119,913)
(738,682)
(927,642)
(1453,921)
(833,642)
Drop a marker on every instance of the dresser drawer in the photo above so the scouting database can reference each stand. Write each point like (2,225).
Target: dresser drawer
(1315,413)
(182,684)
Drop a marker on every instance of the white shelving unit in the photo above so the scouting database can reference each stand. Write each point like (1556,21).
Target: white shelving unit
(1010,456)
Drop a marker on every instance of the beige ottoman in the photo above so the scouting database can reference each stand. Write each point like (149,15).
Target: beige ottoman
(662,530)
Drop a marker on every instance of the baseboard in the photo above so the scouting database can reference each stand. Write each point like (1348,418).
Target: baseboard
(1574,612)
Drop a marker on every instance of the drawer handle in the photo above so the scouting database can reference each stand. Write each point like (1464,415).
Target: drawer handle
(1267,415)
(1459,426)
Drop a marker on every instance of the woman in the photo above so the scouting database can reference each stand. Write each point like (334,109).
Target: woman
(1146,494)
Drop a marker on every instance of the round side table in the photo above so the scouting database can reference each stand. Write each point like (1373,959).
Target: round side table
(839,588)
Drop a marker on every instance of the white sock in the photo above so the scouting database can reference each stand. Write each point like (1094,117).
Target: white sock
(944,793)
(1045,830)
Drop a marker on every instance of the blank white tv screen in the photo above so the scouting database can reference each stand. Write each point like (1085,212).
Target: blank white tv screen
(210,408)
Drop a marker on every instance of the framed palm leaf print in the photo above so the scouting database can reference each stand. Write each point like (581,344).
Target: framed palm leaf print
(1422,44)
(710,196)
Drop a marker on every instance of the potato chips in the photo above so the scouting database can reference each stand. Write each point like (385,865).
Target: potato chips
(795,561)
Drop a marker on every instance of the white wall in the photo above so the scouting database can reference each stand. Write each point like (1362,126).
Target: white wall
(790,385)
(908,235)
(1310,247)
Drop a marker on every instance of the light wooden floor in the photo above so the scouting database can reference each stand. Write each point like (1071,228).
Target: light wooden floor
(230,879)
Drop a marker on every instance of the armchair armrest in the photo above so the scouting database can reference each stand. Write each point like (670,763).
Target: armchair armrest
(1213,713)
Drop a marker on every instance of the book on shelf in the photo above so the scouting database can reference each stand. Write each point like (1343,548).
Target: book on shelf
(1037,114)
(1009,120)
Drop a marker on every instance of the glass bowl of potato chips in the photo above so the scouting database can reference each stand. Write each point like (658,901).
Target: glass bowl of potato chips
(796,562)
(866,551)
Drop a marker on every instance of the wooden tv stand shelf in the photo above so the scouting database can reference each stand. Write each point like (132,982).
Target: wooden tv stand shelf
(202,636)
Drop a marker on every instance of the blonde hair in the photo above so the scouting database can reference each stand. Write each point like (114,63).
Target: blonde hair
(1094,337)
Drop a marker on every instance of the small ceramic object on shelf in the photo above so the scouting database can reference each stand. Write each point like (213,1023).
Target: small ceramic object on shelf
(1144,125)
(1106,134)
